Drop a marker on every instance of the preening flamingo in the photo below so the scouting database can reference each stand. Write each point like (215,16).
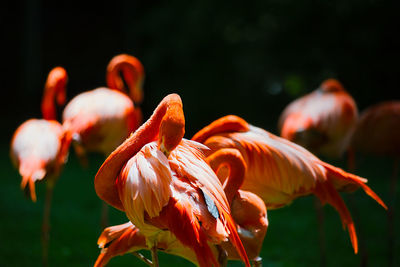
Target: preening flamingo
(322,122)
(101,119)
(39,148)
(378,133)
(163,184)
(279,171)
(248,211)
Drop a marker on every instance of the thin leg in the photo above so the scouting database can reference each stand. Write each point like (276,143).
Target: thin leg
(154,256)
(321,231)
(257,262)
(46,223)
(390,213)
(143,258)
(104,215)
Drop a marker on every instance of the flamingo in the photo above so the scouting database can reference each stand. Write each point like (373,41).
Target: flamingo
(164,185)
(248,211)
(321,121)
(279,171)
(39,148)
(382,123)
(101,119)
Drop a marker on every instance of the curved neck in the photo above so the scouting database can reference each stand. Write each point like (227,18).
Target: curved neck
(129,69)
(170,108)
(230,123)
(54,90)
(237,167)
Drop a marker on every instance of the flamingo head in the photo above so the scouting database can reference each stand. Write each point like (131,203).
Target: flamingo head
(172,130)
(331,85)
(58,79)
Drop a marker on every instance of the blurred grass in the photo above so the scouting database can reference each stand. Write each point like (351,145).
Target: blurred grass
(291,239)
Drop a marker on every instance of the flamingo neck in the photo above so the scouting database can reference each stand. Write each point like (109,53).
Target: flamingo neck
(237,167)
(129,69)
(230,123)
(169,113)
(54,90)
(170,108)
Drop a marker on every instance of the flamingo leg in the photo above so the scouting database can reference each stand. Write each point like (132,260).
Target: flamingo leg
(104,215)
(391,214)
(257,262)
(141,257)
(154,255)
(46,222)
(321,231)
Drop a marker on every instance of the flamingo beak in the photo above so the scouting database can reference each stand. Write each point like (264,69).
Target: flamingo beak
(163,149)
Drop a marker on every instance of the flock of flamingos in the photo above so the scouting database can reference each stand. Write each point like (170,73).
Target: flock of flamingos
(204,199)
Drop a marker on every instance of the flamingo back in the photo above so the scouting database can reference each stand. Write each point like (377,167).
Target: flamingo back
(102,118)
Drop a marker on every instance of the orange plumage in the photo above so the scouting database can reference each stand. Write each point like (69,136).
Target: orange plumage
(248,211)
(100,120)
(160,179)
(382,123)
(39,147)
(279,171)
(322,120)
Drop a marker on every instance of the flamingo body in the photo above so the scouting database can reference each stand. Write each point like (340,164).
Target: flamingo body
(279,171)
(125,238)
(378,130)
(322,120)
(101,119)
(248,211)
(38,151)
(184,191)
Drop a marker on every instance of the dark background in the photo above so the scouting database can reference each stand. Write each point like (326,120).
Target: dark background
(245,58)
